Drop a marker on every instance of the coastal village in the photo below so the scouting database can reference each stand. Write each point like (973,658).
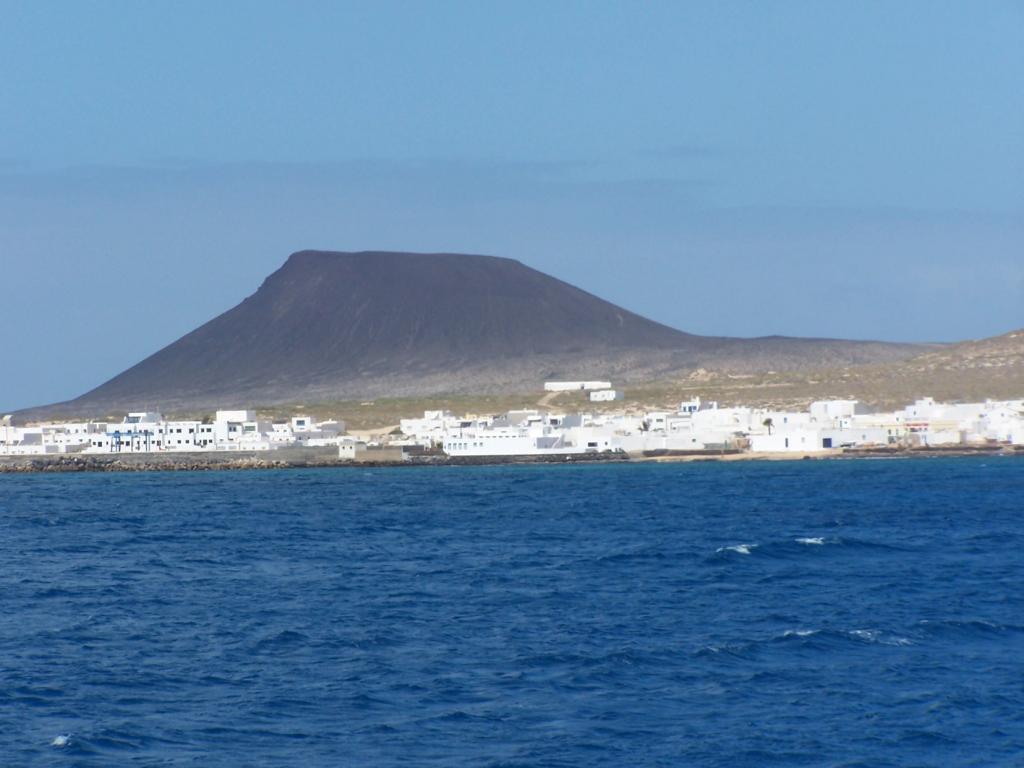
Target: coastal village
(694,428)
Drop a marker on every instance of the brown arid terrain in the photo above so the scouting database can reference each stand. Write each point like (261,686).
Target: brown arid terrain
(968,371)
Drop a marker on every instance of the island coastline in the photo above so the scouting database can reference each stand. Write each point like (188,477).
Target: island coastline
(328,459)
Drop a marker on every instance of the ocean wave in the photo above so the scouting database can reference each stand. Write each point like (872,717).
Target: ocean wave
(825,640)
(740,549)
(853,543)
(801,547)
(860,635)
(283,639)
(789,548)
(800,632)
(652,552)
(727,650)
(968,627)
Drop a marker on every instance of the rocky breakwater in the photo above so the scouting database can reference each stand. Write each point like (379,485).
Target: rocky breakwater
(285,458)
(97,464)
(181,462)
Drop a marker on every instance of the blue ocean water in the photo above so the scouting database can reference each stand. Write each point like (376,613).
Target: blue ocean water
(840,613)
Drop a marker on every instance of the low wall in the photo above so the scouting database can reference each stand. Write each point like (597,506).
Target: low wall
(328,457)
(280,459)
(178,460)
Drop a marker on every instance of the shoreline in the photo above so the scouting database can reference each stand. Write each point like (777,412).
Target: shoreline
(328,459)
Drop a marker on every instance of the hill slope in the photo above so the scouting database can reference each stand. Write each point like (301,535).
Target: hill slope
(331,325)
(969,371)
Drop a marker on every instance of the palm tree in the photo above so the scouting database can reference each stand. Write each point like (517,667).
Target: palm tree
(768,423)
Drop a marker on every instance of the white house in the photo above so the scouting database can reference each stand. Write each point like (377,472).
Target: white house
(830,410)
(572,386)
(790,439)
(605,395)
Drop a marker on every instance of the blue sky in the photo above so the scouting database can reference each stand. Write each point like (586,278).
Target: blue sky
(840,169)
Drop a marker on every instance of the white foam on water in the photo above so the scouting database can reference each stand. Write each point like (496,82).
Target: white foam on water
(868,635)
(800,632)
(742,549)
(811,540)
(61,740)
(901,641)
(877,636)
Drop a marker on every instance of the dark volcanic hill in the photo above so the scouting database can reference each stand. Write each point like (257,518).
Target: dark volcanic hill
(340,325)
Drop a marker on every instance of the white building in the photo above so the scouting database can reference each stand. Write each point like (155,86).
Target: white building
(694,426)
(830,410)
(573,386)
(430,431)
(790,439)
(150,432)
(509,441)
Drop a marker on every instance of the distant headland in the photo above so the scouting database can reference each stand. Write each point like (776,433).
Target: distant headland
(335,326)
(332,330)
